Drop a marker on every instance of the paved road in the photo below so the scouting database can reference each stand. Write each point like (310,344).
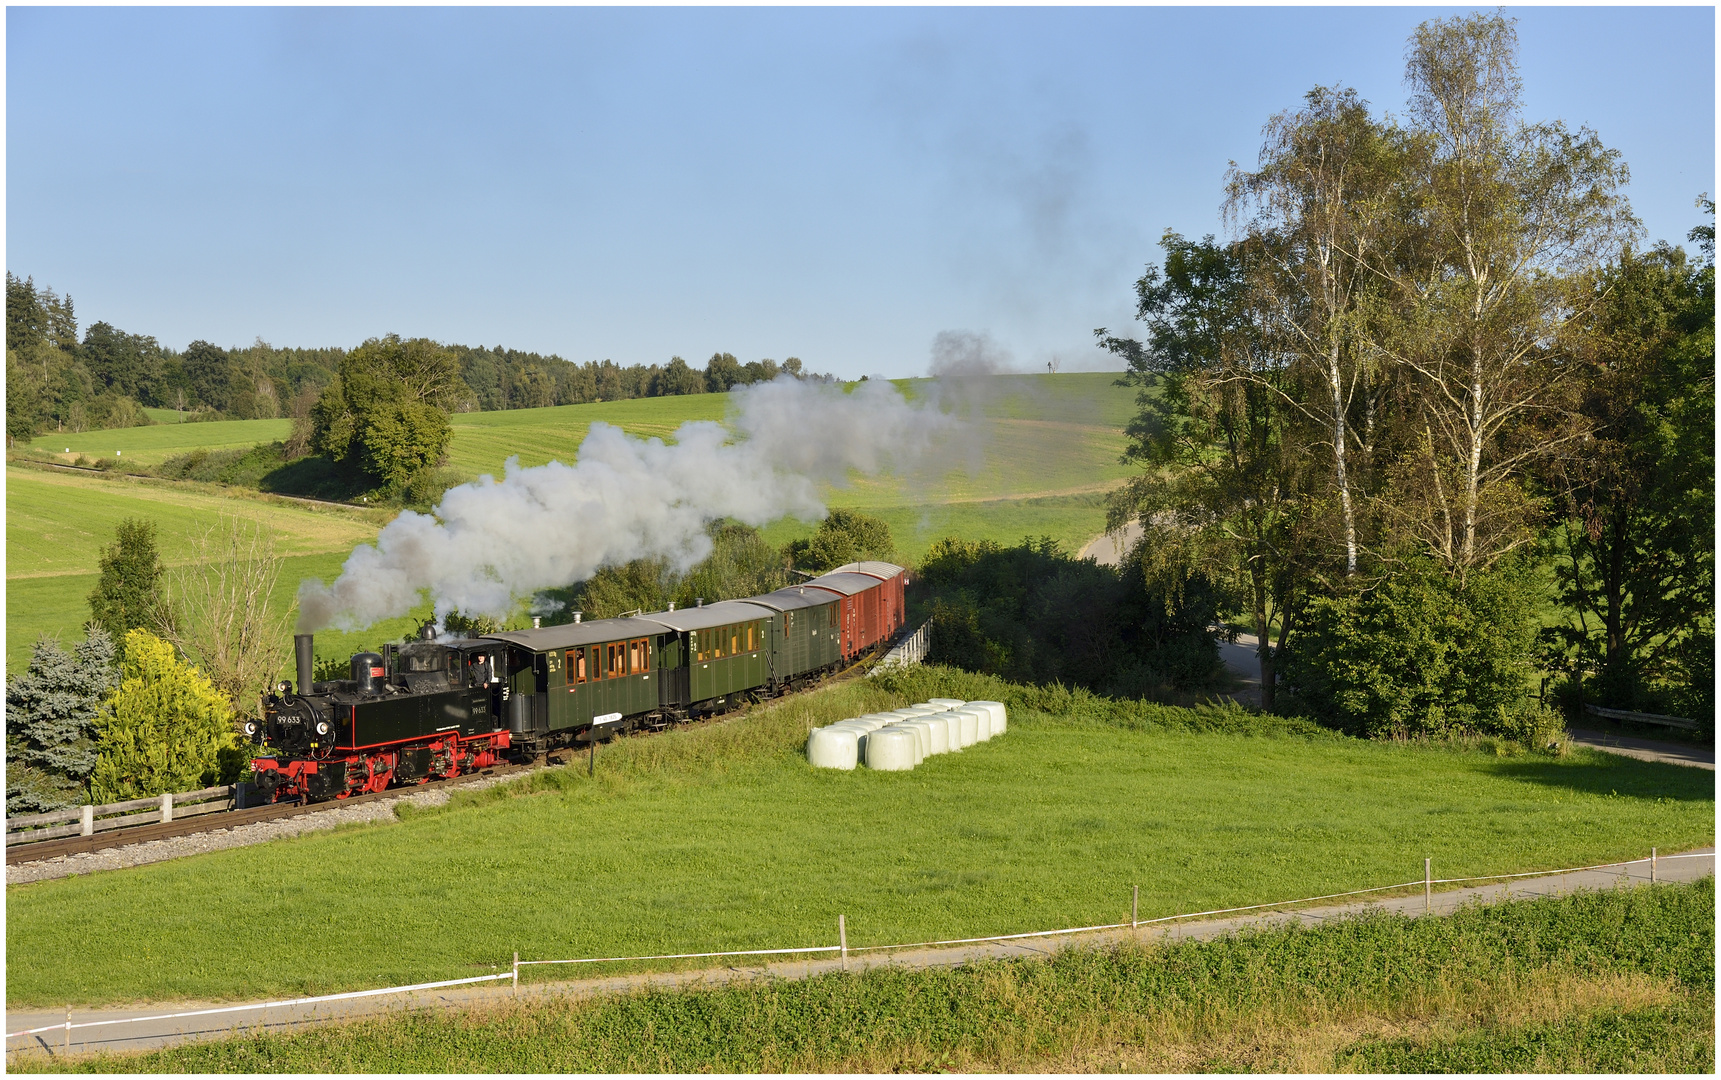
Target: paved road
(1645,749)
(158,1033)
(1107,549)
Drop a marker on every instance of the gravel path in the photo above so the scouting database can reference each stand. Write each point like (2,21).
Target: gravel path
(239,836)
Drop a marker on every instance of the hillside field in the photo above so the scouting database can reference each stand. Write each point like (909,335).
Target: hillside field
(1036,462)
(720,836)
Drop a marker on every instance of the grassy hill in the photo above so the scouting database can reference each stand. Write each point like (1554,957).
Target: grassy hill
(1037,461)
(720,836)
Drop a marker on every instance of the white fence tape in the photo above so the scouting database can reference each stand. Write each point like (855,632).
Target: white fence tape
(68,1026)
(514,974)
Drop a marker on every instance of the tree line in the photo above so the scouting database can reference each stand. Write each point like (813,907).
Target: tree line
(57,381)
(1432,368)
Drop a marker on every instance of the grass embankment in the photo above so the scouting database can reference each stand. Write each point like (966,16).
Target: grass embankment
(1599,982)
(721,837)
(1035,463)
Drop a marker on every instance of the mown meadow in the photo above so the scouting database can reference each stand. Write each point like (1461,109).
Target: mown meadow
(720,836)
(1619,981)
(1035,460)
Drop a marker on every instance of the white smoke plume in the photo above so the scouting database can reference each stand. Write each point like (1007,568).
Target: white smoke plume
(491,542)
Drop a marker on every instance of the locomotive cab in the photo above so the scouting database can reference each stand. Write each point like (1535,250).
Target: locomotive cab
(428,710)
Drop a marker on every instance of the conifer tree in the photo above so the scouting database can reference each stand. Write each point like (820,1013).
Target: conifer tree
(129,592)
(51,715)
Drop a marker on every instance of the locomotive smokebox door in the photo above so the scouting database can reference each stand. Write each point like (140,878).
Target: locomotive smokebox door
(369,673)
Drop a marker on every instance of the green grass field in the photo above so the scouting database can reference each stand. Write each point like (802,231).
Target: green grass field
(721,837)
(1036,464)
(1598,982)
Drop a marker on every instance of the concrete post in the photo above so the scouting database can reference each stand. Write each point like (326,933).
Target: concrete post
(89,821)
(843,938)
(1427,886)
(167,806)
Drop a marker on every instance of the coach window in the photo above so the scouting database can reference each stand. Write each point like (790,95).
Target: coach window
(699,650)
(734,640)
(752,640)
(718,637)
(636,660)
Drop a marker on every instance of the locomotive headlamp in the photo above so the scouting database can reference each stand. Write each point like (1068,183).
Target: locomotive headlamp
(284,689)
(322,727)
(250,727)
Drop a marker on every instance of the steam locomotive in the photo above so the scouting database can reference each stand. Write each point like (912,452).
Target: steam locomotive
(444,706)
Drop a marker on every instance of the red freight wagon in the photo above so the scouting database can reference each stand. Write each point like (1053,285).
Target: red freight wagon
(893,607)
(860,620)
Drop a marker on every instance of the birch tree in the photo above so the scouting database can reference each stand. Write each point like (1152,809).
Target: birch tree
(1320,207)
(1509,217)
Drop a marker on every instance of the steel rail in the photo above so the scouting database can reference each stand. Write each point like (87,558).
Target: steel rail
(214,822)
(108,839)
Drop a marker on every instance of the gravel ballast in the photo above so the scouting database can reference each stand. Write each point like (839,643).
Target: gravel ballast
(153,851)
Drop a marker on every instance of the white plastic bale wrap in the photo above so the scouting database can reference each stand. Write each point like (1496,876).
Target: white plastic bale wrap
(891,749)
(833,748)
(862,731)
(939,728)
(946,702)
(967,721)
(922,739)
(997,710)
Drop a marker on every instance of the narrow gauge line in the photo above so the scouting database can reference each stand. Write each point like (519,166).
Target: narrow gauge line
(160,830)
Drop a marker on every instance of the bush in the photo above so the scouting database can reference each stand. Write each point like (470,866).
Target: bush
(843,537)
(1420,654)
(166,728)
(1032,613)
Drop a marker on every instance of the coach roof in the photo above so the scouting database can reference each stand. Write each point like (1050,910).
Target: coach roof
(568,635)
(847,584)
(876,569)
(703,618)
(793,598)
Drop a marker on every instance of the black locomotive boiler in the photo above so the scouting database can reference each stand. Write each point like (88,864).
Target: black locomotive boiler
(429,710)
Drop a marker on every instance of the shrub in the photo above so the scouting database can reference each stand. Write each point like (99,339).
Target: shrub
(843,537)
(166,728)
(1421,654)
(1033,613)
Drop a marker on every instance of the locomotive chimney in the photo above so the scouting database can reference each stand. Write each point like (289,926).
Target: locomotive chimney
(302,660)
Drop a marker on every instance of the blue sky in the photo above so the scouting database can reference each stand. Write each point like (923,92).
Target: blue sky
(835,184)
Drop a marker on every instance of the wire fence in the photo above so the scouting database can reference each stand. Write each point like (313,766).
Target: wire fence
(842,947)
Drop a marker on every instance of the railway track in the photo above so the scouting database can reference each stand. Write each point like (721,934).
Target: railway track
(166,830)
(139,834)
